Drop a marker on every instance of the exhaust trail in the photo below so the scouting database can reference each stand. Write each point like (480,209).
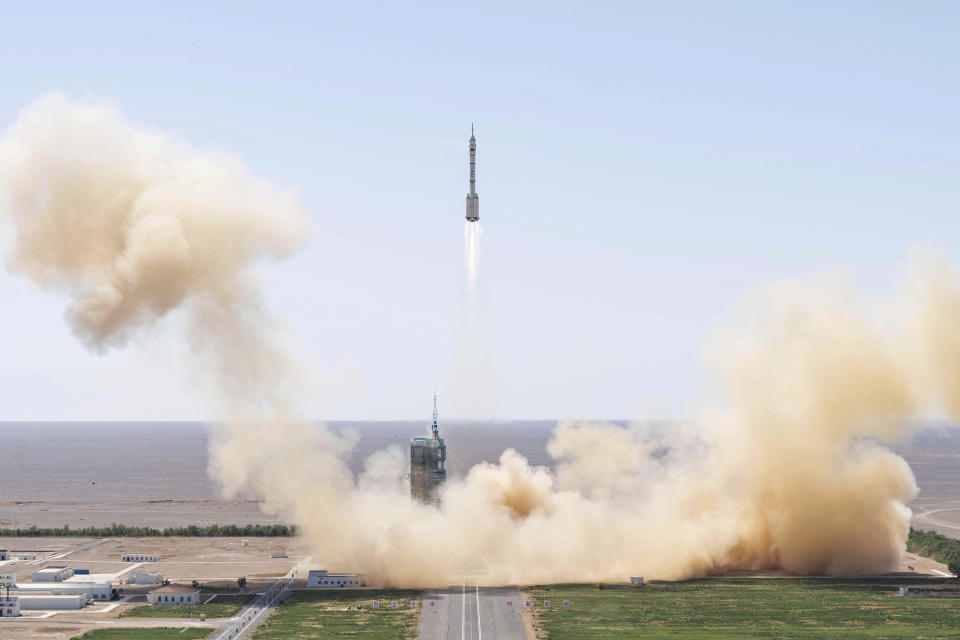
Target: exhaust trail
(472,234)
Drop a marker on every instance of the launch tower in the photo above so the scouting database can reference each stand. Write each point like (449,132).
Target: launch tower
(427,458)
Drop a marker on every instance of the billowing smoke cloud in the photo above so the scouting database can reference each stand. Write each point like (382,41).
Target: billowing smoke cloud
(134,225)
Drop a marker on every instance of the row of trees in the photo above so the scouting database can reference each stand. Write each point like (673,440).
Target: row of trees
(127,531)
(936,546)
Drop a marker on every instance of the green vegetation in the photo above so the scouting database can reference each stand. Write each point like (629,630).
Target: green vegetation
(730,609)
(319,615)
(159,633)
(221,607)
(936,546)
(126,531)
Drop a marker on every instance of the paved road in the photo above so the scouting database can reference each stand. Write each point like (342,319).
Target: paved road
(64,554)
(472,613)
(242,626)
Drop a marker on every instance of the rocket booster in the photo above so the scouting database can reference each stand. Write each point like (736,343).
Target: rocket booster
(473,199)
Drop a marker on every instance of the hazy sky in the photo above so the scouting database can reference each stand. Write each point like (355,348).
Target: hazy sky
(642,166)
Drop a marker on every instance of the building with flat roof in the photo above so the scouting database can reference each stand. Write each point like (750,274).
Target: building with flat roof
(144,577)
(52,574)
(4,554)
(92,590)
(174,594)
(8,578)
(138,557)
(321,578)
(46,601)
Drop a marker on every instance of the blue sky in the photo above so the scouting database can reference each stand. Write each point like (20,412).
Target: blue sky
(642,167)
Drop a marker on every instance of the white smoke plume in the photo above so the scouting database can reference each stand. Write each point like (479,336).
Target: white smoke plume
(133,225)
(472,233)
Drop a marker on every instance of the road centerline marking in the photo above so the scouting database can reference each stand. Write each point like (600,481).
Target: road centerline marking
(479,629)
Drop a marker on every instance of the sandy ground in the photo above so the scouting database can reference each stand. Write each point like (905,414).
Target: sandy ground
(147,513)
(215,562)
(208,560)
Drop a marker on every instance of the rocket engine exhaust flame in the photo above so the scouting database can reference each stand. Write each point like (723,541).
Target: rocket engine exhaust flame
(134,225)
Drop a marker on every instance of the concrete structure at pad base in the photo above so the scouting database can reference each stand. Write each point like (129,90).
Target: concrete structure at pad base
(427,463)
(52,574)
(138,557)
(324,580)
(8,578)
(92,590)
(4,555)
(174,594)
(144,577)
(50,602)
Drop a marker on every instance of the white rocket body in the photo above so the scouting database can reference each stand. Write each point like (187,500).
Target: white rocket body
(473,199)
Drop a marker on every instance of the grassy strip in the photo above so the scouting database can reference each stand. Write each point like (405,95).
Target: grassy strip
(158,633)
(222,607)
(937,546)
(319,615)
(127,531)
(758,608)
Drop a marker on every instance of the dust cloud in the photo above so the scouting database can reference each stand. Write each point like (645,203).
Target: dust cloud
(134,225)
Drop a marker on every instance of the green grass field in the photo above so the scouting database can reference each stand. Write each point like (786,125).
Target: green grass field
(728,609)
(318,615)
(165,633)
(221,607)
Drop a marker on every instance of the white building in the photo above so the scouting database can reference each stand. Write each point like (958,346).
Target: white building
(8,578)
(138,557)
(45,601)
(174,594)
(321,578)
(144,577)
(24,555)
(9,607)
(52,574)
(92,590)
(4,554)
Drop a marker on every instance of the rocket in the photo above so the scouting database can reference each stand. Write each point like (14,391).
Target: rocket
(473,199)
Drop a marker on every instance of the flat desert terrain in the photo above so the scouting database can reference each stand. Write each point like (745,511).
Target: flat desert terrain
(155,474)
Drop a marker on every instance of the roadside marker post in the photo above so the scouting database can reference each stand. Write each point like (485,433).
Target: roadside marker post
(566,604)
(393,604)
(546,604)
(510,604)
(376,604)
(413,604)
(529,604)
